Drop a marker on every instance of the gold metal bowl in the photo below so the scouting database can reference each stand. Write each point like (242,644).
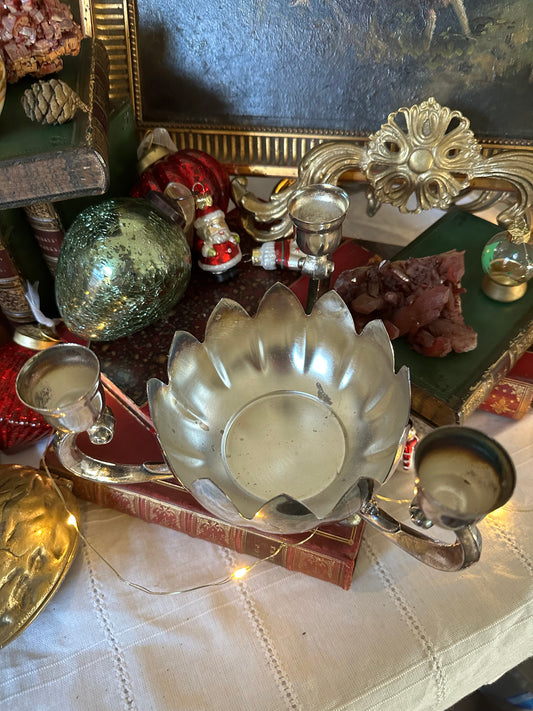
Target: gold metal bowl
(38,542)
(279,421)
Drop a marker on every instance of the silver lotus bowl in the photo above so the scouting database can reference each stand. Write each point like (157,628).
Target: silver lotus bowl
(279,421)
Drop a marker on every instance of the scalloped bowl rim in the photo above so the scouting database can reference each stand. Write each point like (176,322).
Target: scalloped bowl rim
(195,442)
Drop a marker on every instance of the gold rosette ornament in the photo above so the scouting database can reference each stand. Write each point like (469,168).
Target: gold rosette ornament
(425,151)
(423,157)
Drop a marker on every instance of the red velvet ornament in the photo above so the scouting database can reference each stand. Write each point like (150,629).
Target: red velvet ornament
(19,425)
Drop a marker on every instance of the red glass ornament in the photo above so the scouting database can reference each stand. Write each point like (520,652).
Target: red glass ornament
(194,169)
(19,425)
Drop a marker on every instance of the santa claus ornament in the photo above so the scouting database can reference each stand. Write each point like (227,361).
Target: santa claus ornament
(217,247)
(200,188)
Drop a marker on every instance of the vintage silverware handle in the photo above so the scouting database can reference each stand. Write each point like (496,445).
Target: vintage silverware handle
(81,464)
(444,556)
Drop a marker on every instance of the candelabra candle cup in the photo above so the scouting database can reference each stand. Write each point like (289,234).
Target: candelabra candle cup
(317,212)
(461,476)
(62,383)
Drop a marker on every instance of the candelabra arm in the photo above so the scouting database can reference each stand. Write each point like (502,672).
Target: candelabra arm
(81,464)
(464,551)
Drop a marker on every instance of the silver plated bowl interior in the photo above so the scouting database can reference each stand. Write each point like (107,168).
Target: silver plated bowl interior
(278,421)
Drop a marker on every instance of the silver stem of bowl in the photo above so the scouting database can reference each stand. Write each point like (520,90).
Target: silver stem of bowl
(318,212)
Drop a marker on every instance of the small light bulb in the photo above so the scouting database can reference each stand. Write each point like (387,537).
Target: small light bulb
(240,573)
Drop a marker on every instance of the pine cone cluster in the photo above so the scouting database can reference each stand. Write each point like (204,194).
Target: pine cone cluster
(51,102)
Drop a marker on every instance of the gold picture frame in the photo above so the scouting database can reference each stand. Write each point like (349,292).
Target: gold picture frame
(271,146)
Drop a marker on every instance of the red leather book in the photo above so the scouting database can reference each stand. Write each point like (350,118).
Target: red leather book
(513,395)
(329,555)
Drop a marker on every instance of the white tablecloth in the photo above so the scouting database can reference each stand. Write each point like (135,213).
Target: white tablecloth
(403,637)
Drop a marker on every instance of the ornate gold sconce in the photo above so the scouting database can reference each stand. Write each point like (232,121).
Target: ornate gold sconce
(424,157)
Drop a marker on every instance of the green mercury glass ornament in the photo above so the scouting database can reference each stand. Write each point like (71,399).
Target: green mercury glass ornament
(122,266)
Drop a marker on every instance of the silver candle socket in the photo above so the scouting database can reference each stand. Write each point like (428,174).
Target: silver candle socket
(318,212)
(461,476)
(62,384)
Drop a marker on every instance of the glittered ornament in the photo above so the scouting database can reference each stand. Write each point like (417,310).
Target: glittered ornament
(122,266)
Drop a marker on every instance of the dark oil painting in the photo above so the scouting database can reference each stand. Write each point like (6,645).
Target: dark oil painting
(336,65)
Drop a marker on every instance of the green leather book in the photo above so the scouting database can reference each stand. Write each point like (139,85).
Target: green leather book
(49,163)
(123,141)
(445,390)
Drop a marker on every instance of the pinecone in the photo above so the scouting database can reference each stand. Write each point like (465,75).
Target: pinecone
(51,102)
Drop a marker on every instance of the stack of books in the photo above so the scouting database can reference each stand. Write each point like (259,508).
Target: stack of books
(447,390)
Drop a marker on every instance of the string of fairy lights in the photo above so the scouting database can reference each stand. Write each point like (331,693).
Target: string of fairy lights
(235,575)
